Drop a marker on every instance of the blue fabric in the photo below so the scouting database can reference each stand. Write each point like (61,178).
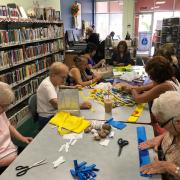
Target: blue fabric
(90,61)
(144,158)
(116,124)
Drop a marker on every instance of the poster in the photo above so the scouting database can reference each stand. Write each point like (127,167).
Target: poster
(144,42)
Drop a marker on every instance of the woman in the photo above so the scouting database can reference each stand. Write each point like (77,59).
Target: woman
(168,116)
(168,51)
(78,73)
(89,53)
(161,73)
(8,151)
(122,56)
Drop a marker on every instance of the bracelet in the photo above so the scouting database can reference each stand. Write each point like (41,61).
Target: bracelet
(177,169)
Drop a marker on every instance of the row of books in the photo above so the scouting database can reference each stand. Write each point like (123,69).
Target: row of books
(26,71)
(27,90)
(19,116)
(24,35)
(13,57)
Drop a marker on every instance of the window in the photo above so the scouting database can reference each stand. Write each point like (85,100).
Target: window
(109,17)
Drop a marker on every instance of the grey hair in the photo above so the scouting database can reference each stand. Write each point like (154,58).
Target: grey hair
(167,106)
(6,94)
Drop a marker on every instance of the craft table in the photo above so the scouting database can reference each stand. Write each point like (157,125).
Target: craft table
(112,167)
(121,113)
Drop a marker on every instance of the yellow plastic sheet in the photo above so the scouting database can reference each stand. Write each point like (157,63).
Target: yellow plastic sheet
(136,113)
(123,68)
(68,123)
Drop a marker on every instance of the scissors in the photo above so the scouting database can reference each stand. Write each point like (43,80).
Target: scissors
(24,169)
(121,144)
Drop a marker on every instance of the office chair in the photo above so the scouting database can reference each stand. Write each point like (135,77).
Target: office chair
(32,102)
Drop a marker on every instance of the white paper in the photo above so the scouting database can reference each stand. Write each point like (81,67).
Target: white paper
(67,147)
(111,135)
(73,142)
(59,161)
(73,136)
(105,142)
(62,147)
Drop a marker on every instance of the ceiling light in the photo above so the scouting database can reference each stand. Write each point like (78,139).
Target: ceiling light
(160,2)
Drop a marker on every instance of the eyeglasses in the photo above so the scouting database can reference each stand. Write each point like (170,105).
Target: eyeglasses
(163,124)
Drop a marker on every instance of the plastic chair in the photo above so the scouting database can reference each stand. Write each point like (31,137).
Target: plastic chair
(32,102)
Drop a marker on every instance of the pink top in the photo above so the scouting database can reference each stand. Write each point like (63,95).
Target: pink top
(6,145)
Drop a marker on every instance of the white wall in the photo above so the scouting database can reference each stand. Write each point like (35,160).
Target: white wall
(128,17)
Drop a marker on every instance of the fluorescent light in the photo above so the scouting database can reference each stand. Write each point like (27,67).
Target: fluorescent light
(160,2)
(156,7)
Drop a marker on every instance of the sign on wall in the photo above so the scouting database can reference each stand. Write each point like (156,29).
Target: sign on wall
(144,42)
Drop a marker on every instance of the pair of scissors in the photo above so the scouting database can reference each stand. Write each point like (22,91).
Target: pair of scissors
(121,144)
(24,169)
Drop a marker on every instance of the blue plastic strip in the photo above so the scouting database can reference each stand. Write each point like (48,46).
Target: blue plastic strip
(143,154)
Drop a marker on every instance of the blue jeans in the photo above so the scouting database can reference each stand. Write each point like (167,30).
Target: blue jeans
(43,121)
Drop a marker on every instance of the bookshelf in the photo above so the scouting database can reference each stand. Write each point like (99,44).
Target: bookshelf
(27,49)
(171,33)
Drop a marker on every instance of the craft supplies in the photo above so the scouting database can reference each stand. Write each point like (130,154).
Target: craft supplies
(116,124)
(121,142)
(83,172)
(118,97)
(136,113)
(105,142)
(68,101)
(24,169)
(144,158)
(67,123)
(59,161)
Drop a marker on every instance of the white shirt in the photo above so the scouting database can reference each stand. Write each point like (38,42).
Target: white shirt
(46,92)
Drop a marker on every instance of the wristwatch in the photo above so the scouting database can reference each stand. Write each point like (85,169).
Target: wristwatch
(177,169)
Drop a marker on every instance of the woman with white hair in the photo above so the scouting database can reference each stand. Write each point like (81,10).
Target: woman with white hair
(8,151)
(166,110)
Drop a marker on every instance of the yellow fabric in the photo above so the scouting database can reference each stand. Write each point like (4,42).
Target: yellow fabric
(136,113)
(123,68)
(68,123)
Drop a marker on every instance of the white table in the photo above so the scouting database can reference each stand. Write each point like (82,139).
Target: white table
(112,167)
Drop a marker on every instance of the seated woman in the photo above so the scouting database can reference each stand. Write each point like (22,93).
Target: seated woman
(78,73)
(168,116)
(161,73)
(122,56)
(89,53)
(168,51)
(8,151)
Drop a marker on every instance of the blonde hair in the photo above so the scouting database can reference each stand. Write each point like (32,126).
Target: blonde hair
(57,68)
(89,30)
(6,94)
(166,106)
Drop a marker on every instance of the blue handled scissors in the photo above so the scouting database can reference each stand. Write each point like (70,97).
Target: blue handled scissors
(24,169)
(121,144)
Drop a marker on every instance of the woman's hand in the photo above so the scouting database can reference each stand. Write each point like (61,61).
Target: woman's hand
(26,140)
(98,77)
(157,167)
(152,143)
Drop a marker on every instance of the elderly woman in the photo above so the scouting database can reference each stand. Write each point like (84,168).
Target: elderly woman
(78,73)
(165,109)
(8,151)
